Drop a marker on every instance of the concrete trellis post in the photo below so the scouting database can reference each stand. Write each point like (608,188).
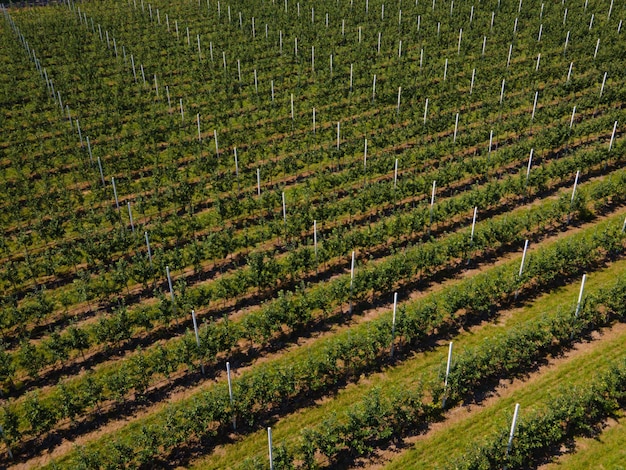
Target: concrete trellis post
(395,175)
(89,150)
(284,209)
(603,83)
(195,329)
(269,430)
(445,383)
(230,394)
(169,283)
(512,432)
(580,296)
(117,202)
(101,172)
(530,162)
(569,72)
(374,89)
(393,323)
(130,217)
(612,136)
(521,266)
(315,239)
(148,247)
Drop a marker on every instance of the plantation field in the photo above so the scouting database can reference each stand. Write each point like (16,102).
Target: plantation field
(330,234)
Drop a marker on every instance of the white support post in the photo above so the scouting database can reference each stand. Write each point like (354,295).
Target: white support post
(89,149)
(603,83)
(612,136)
(236,163)
(508,60)
(482,54)
(182,112)
(393,323)
(258,181)
(292,112)
(395,175)
(569,72)
(521,266)
(352,271)
(230,393)
(130,217)
(445,382)
(315,239)
(117,202)
(169,283)
(571,121)
(595,53)
(156,85)
(350,77)
(432,205)
(284,209)
(532,117)
(217,148)
(472,82)
(456,127)
(80,134)
(198,121)
(580,295)
(374,89)
(473,224)
(540,32)
(365,156)
(530,162)
(574,189)
(195,329)
(512,432)
(269,430)
(458,47)
(425,110)
(148,247)
(399,95)
(101,172)
(445,70)
(502,91)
